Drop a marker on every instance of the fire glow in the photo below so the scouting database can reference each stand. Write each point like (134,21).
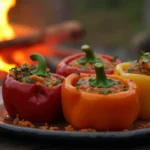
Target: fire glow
(6,31)
(14,57)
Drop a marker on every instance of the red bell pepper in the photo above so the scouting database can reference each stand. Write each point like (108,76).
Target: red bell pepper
(64,69)
(32,102)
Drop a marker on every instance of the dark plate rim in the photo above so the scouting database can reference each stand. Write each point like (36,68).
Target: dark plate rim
(138,133)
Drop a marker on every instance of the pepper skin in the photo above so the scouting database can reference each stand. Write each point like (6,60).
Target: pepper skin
(32,102)
(102,112)
(64,69)
(143,81)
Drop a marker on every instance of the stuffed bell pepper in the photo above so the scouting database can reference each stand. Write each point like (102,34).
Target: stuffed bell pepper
(33,92)
(99,101)
(139,72)
(84,62)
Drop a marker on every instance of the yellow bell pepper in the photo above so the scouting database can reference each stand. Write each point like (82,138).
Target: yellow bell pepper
(143,82)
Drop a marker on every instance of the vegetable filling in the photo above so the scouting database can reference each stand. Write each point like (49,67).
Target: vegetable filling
(90,59)
(100,84)
(31,74)
(141,65)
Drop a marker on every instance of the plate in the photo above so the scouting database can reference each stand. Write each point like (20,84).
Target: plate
(36,133)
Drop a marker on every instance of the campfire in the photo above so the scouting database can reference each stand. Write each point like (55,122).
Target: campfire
(18,42)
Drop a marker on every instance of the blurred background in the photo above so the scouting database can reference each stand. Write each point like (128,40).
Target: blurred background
(110,24)
(114,27)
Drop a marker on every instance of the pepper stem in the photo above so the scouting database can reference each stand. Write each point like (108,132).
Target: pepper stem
(101,79)
(89,57)
(41,68)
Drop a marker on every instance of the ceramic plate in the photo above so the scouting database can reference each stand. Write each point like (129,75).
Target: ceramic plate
(8,127)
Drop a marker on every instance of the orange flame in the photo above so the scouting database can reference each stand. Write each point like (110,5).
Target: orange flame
(4,66)
(18,56)
(6,32)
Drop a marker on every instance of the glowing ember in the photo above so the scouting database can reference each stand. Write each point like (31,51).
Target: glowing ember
(6,32)
(4,66)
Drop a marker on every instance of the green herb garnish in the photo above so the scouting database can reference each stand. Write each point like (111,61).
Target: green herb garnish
(58,80)
(15,68)
(115,58)
(18,69)
(147,54)
(126,89)
(83,67)
(105,92)
(144,57)
(77,88)
(28,80)
(80,82)
(48,83)
(130,70)
(144,60)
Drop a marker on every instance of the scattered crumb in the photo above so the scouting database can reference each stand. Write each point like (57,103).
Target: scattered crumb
(125,130)
(53,128)
(146,125)
(26,124)
(16,120)
(69,128)
(43,127)
(87,130)
(46,126)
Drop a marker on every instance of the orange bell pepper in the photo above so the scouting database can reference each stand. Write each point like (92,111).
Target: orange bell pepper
(114,111)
